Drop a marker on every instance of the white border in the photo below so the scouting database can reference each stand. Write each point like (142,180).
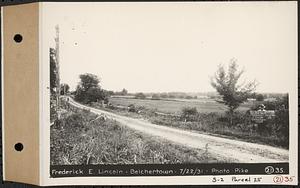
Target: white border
(2,93)
(156,180)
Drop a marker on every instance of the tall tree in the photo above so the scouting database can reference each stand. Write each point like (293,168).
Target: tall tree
(227,85)
(124,92)
(89,80)
(89,90)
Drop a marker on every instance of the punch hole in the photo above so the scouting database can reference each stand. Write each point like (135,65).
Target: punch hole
(19,146)
(18,38)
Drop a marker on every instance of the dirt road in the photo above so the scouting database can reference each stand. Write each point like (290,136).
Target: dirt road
(222,148)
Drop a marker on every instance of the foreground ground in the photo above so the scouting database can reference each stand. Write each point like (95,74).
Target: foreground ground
(82,137)
(220,148)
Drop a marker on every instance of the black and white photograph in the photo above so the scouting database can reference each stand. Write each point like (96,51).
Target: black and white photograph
(170,83)
(150,93)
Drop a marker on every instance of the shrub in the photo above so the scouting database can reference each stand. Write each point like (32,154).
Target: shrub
(188,97)
(259,97)
(155,97)
(189,113)
(282,126)
(131,108)
(140,96)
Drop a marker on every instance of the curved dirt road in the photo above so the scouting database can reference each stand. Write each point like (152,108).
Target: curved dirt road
(221,148)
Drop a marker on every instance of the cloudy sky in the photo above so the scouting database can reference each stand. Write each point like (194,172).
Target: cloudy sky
(156,47)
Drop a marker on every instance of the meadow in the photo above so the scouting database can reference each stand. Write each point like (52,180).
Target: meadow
(174,106)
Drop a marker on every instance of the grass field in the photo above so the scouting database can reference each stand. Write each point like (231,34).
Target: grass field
(175,106)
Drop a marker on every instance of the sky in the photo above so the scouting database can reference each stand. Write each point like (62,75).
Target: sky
(164,47)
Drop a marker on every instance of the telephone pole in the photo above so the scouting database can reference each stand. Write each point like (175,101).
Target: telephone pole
(57,67)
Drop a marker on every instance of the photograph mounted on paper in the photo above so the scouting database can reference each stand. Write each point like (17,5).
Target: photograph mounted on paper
(167,85)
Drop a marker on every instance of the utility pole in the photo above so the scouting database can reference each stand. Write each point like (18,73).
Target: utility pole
(57,66)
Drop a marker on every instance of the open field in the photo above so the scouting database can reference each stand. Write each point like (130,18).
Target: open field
(81,137)
(175,106)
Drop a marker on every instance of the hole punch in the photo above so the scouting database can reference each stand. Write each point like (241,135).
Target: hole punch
(18,38)
(19,147)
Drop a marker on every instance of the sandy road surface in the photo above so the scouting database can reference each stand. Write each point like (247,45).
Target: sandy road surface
(221,148)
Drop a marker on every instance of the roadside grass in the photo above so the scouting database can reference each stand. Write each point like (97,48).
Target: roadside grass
(81,137)
(212,125)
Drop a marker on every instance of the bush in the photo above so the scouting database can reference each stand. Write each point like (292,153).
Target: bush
(140,96)
(189,113)
(93,94)
(282,126)
(188,97)
(259,97)
(131,108)
(280,103)
(155,97)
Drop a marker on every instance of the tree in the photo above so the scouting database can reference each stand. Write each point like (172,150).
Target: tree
(89,80)
(53,85)
(53,71)
(232,93)
(188,97)
(155,97)
(124,92)
(164,95)
(89,90)
(140,96)
(64,89)
(171,96)
(259,97)
(109,93)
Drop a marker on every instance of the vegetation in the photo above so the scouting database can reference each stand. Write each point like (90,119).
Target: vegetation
(89,90)
(280,103)
(124,92)
(226,84)
(189,113)
(64,89)
(204,117)
(175,106)
(259,97)
(279,126)
(53,85)
(155,97)
(81,137)
(140,96)
(53,71)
